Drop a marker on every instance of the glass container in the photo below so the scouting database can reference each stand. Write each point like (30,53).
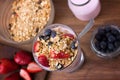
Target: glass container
(5,37)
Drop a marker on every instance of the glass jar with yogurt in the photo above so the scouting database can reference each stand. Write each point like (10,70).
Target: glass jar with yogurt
(57,48)
(85,9)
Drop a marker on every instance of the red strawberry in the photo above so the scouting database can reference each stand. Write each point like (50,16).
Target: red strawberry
(53,54)
(33,68)
(22,58)
(63,55)
(36,46)
(25,75)
(14,76)
(59,55)
(68,35)
(43,60)
(7,65)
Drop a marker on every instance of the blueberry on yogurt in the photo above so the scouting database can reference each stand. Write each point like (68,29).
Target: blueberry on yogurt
(47,32)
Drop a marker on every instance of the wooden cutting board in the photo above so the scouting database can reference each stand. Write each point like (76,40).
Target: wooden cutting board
(8,52)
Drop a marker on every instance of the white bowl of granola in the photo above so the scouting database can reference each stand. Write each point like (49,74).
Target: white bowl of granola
(22,19)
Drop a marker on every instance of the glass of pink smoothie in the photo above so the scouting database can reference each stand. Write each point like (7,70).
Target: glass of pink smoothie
(85,9)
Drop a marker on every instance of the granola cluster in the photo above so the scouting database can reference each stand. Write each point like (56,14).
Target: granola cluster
(56,49)
(28,18)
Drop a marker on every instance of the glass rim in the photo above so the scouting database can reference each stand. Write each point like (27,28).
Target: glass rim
(52,26)
(103,54)
(80,4)
(5,27)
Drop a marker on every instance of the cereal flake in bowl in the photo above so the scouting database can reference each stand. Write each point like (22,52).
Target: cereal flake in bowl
(28,18)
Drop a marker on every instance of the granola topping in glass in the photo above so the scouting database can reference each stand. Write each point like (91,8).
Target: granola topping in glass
(55,48)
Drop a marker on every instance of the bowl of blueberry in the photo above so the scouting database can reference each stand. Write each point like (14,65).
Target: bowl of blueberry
(105,41)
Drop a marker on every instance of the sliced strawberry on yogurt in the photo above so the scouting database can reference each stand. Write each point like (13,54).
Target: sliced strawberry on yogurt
(59,55)
(43,60)
(53,54)
(68,35)
(37,46)
(63,55)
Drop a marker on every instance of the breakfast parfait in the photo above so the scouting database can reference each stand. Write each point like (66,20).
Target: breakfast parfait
(55,48)
(28,18)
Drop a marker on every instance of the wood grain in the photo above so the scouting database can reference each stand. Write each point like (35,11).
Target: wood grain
(94,68)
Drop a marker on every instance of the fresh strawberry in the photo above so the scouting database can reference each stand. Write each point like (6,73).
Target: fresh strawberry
(62,54)
(22,58)
(53,54)
(24,74)
(14,76)
(59,55)
(33,68)
(7,65)
(36,46)
(43,60)
(68,35)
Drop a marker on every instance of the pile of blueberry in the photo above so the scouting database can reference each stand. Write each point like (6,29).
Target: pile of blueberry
(107,39)
(47,34)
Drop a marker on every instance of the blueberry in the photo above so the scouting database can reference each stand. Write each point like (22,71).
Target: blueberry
(103,50)
(107,28)
(108,51)
(104,39)
(114,31)
(73,45)
(101,31)
(117,44)
(97,45)
(111,38)
(108,34)
(41,37)
(103,45)
(53,34)
(118,37)
(47,32)
(59,66)
(50,43)
(98,37)
(111,46)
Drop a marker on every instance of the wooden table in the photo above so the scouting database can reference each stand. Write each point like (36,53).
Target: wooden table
(94,68)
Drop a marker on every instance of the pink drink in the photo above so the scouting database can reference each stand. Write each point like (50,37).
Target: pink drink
(85,9)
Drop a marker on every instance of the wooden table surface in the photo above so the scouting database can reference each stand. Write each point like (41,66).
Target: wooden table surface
(94,68)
